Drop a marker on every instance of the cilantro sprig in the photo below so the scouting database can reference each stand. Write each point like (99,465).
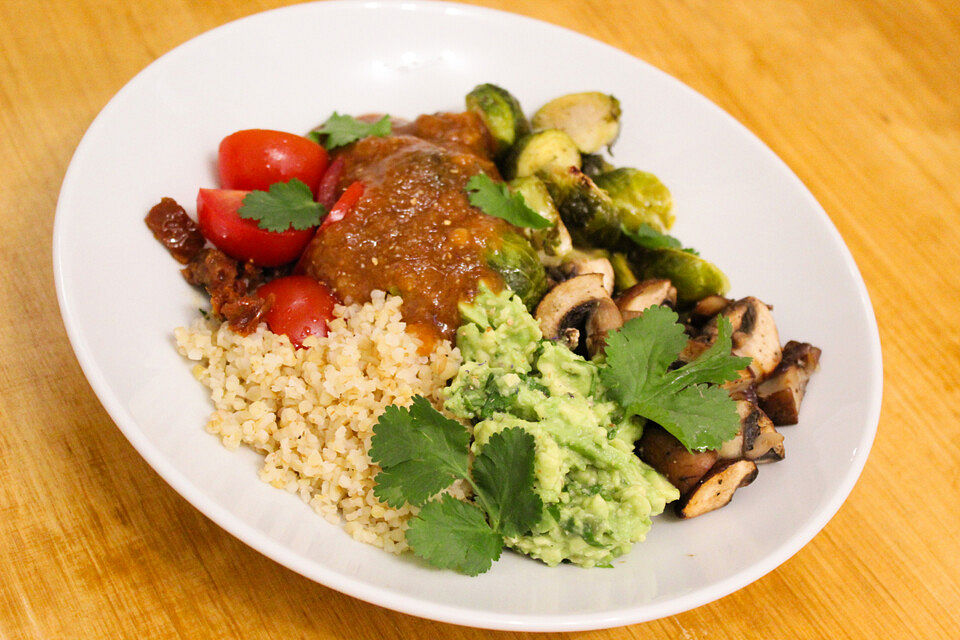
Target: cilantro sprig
(285,205)
(685,401)
(421,452)
(340,130)
(494,199)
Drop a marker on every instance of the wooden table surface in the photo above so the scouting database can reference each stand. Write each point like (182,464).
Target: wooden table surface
(860,98)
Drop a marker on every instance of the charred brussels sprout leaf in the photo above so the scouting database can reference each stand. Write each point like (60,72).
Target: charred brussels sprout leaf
(515,260)
(640,194)
(501,114)
(587,211)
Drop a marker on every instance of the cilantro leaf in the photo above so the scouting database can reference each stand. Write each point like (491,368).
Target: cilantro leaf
(342,130)
(647,237)
(682,401)
(639,353)
(420,453)
(503,473)
(494,199)
(286,205)
(452,534)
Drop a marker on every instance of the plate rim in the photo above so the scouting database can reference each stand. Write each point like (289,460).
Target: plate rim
(385,597)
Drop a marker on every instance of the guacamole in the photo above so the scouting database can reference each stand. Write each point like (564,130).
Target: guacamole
(598,496)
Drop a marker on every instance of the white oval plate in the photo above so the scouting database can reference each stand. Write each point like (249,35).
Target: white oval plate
(121,295)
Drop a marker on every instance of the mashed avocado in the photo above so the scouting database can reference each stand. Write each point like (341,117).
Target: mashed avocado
(598,496)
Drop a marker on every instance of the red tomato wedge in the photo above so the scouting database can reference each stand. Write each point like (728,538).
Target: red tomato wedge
(327,193)
(344,204)
(301,307)
(257,158)
(241,238)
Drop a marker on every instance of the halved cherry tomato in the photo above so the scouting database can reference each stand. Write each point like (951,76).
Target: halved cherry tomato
(257,158)
(241,238)
(343,205)
(327,193)
(301,307)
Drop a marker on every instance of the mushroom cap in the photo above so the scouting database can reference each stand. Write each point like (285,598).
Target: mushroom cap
(569,304)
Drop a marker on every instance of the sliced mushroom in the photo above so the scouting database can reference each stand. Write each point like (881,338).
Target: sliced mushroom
(604,318)
(569,304)
(767,446)
(585,264)
(644,295)
(756,440)
(667,455)
(754,336)
(716,488)
(780,395)
(707,308)
(695,347)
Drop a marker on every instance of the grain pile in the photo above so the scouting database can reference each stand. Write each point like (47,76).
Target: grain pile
(311,411)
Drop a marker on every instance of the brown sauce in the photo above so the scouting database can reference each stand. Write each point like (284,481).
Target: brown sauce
(413,232)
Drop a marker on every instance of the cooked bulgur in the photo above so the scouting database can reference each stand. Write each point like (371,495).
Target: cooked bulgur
(312,411)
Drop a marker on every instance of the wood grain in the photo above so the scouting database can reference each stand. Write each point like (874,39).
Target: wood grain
(860,98)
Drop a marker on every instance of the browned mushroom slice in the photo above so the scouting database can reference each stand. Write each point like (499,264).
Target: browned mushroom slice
(761,442)
(780,395)
(716,488)
(644,295)
(756,440)
(754,336)
(585,264)
(710,306)
(604,318)
(569,304)
(667,455)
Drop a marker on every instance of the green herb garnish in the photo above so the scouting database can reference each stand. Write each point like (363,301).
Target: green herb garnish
(685,401)
(342,130)
(286,205)
(494,199)
(649,238)
(421,452)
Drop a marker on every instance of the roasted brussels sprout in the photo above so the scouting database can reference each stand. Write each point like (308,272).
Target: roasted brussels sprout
(589,213)
(640,192)
(540,151)
(591,119)
(694,277)
(553,242)
(501,114)
(593,164)
(515,260)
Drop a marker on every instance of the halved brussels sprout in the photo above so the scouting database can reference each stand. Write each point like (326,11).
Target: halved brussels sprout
(540,151)
(515,260)
(552,242)
(591,119)
(501,114)
(640,192)
(694,277)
